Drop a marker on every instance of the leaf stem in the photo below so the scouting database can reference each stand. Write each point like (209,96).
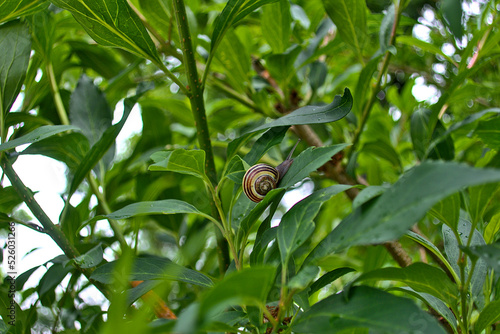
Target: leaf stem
(50,228)
(195,95)
(61,111)
(104,204)
(385,64)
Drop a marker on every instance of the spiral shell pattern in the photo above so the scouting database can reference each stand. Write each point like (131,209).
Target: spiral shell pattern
(259,180)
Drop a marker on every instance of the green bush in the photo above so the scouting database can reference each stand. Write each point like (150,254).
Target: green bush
(397,168)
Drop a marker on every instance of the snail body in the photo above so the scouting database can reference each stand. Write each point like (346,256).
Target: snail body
(261,178)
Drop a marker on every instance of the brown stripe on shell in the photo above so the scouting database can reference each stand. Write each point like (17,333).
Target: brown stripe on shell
(256,174)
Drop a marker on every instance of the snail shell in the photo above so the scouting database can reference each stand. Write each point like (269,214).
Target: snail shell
(261,178)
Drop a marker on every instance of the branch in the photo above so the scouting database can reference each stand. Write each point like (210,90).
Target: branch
(195,94)
(50,228)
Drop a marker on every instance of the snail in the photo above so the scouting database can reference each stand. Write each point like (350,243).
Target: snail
(261,178)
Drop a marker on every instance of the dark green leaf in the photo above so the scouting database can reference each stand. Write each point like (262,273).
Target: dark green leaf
(488,316)
(89,110)
(270,138)
(489,253)
(234,11)
(367,194)
(16,47)
(37,135)
(303,278)
(350,18)
(12,9)
(383,150)
(234,61)
(336,110)
(54,275)
(90,259)
(102,146)
(452,12)
(424,46)
(69,148)
(361,308)
(257,282)
(282,65)
(297,223)
(275,23)
(452,250)
(183,161)
(234,170)
(433,302)
(386,28)
(489,132)
(328,278)
(448,210)
(398,208)
(363,85)
(421,277)
(152,268)
(249,218)
(308,161)
(112,23)
(163,207)
(317,75)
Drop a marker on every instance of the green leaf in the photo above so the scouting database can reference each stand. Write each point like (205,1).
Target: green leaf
(317,74)
(492,228)
(89,110)
(433,302)
(382,150)
(16,47)
(432,248)
(249,218)
(275,23)
(363,84)
(421,137)
(452,250)
(303,278)
(308,161)
(12,9)
(350,18)
(336,110)
(488,316)
(234,61)
(234,11)
(163,207)
(367,194)
(152,268)
(112,23)
(90,259)
(257,282)
(191,162)
(398,208)
(456,126)
(365,307)
(234,170)
(158,13)
(297,223)
(54,275)
(424,46)
(489,253)
(421,277)
(269,139)
(448,210)
(282,66)
(452,12)
(102,146)
(37,135)
(489,132)
(328,278)
(69,148)
(386,28)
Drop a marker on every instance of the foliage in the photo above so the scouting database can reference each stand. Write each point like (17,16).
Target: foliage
(398,231)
